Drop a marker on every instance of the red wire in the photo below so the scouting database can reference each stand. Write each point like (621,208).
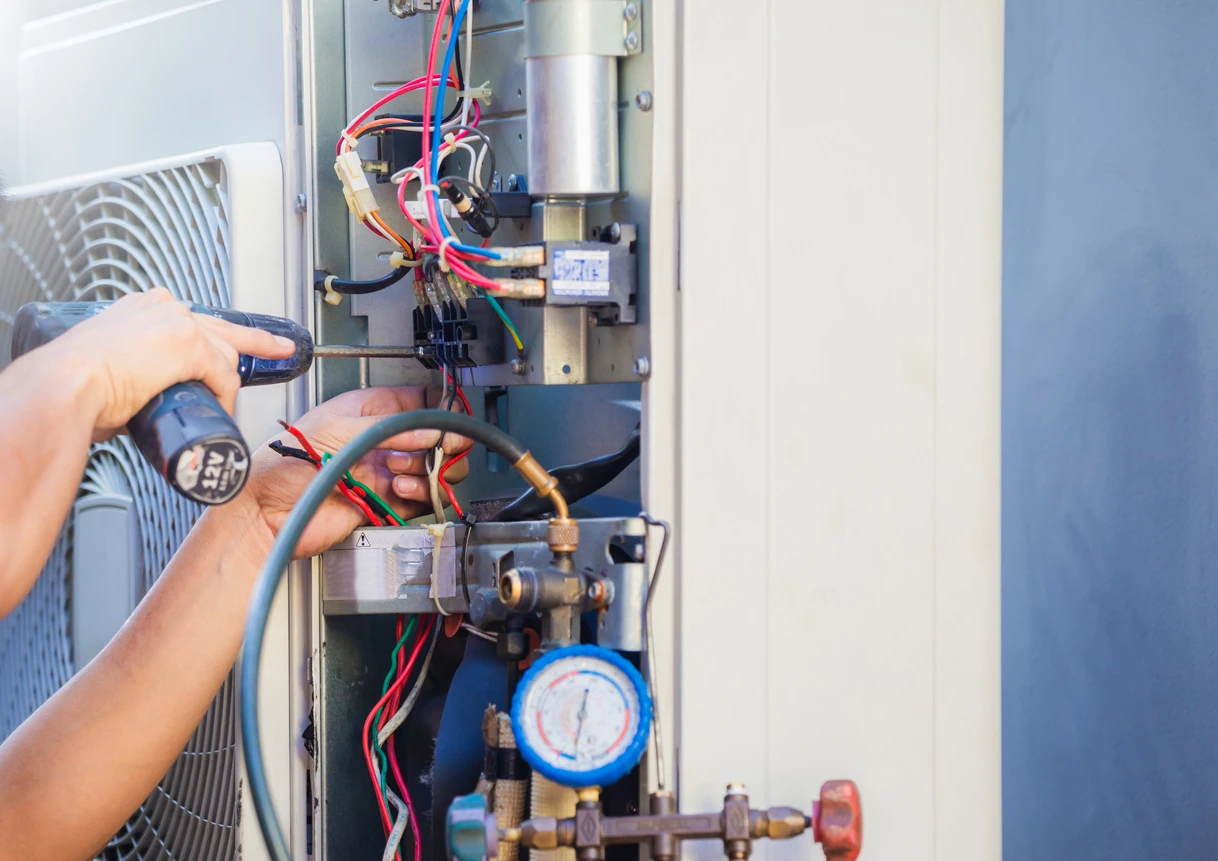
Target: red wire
(342,487)
(452,497)
(395,688)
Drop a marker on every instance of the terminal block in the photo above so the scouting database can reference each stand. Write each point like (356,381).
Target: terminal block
(455,336)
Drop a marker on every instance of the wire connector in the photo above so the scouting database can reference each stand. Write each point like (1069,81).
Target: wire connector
(519,255)
(356,190)
(520,288)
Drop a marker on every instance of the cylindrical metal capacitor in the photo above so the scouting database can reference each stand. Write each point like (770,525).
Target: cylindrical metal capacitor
(572,121)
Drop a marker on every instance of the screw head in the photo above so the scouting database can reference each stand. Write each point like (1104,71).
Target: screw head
(631,12)
(518,367)
(643,100)
(632,41)
(513,183)
(302,202)
(642,366)
(615,232)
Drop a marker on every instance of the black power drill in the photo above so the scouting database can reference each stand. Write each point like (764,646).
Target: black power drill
(183,433)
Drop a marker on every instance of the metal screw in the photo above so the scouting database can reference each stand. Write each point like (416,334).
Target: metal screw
(632,41)
(642,366)
(513,182)
(615,232)
(302,202)
(518,367)
(631,12)
(643,100)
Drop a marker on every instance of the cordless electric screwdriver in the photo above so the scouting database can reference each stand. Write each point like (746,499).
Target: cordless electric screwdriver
(183,433)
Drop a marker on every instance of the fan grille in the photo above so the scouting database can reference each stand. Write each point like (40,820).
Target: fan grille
(166,228)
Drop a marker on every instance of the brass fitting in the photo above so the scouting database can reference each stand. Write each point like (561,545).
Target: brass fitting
(540,833)
(777,823)
(511,588)
(541,481)
(562,534)
(590,794)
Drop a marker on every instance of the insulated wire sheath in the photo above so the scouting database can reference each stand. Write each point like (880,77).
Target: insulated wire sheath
(399,827)
(281,555)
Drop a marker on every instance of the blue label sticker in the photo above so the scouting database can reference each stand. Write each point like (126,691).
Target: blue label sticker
(579,272)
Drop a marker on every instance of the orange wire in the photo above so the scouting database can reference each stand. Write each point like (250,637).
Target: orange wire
(400,241)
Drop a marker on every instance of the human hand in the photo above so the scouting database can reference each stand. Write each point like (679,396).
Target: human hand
(396,470)
(146,342)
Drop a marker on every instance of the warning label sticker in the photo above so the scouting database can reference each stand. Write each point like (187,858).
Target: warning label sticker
(578,272)
(363,541)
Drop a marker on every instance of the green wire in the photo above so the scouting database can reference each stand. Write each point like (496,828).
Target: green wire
(507,321)
(393,668)
(368,490)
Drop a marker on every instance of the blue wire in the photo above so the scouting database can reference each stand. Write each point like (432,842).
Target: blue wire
(454,35)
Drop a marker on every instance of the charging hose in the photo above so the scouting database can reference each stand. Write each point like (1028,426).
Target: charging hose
(281,555)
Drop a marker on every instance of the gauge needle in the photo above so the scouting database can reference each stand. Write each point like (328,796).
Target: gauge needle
(582,715)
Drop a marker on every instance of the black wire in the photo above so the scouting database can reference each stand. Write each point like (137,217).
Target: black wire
(481,197)
(485,140)
(359,288)
(470,520)
(287,451)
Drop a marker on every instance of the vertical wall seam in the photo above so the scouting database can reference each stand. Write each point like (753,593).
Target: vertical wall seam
(934,456)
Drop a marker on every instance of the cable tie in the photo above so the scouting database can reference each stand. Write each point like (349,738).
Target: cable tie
(398,260)
(352,142)
(437,536)
(333,297)
(482,94)
(444,243)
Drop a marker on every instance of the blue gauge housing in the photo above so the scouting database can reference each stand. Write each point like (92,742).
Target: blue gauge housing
(633,751)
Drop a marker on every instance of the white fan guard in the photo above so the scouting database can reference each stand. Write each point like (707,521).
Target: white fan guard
(167,228)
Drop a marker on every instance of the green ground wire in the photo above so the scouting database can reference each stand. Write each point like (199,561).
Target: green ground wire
(368,490)
(507,321)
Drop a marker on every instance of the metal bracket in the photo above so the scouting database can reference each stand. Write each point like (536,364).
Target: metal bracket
(607,28)
(389,570)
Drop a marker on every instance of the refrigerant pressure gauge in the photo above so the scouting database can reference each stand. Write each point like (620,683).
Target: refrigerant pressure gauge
(581,716)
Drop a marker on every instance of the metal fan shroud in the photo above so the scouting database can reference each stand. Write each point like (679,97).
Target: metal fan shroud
(163,228)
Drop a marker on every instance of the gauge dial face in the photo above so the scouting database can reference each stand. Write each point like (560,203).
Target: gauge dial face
(580,713)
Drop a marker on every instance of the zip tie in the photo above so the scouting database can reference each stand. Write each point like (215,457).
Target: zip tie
(333,297)
(433,479)
(351,142)
(444,243)
(437,536)
(398,260)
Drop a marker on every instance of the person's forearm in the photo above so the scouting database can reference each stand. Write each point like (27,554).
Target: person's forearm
(164,667)
(47,413)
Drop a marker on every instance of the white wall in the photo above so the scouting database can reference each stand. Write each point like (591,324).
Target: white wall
(837,482)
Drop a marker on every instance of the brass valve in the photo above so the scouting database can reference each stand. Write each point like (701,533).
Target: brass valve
(836,823)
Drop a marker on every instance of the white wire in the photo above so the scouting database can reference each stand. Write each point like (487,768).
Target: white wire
(399,717)
(399,826)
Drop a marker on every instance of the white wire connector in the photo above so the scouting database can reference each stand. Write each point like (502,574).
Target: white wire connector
(482,94)
(333,297)
(356,190)
(520,288)
(519,255)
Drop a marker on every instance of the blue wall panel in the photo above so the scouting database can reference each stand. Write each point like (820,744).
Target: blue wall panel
(1110,431)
